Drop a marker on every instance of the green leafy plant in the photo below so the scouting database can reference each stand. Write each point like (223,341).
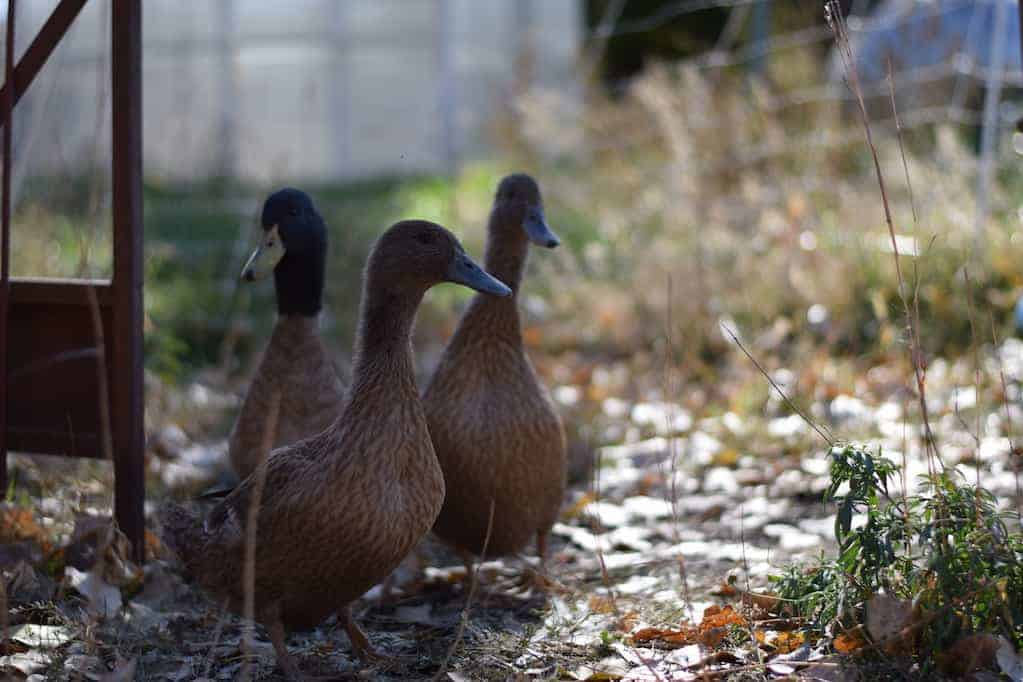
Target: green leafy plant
(947,550)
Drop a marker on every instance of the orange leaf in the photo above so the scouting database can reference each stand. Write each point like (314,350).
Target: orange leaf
(677,637)
(717,617)
(18,524)
(849,641)
(787,642)
(599,604)
(711,637)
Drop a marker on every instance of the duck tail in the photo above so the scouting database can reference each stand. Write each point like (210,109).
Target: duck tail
(182,531)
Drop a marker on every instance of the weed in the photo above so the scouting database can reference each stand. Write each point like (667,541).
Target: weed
(947,551)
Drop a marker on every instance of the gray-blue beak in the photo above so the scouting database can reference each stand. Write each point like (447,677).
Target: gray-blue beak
(537,230)
(463,270)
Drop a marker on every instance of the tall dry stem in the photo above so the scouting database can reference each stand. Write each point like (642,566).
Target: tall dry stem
(463,621)
(669,391)
(844,47)
(249,572)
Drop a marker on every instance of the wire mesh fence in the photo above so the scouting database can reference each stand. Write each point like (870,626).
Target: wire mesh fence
(241,95)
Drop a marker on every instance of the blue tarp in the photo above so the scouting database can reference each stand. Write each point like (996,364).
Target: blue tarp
(919,33)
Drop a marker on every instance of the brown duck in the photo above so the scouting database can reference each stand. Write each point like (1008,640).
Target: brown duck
(497,435)
(295,362)
(342,508)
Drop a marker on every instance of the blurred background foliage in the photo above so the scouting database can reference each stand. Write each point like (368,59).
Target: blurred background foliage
(686,196)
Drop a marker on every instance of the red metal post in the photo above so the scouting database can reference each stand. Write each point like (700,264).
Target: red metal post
(42,47)
(126,385)
(7,104)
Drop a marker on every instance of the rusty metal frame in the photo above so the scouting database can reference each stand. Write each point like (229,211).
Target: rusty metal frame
(69,346)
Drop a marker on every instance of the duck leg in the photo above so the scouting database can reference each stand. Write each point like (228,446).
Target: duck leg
(469,561)
(361,646)
(284,659)
(537,578)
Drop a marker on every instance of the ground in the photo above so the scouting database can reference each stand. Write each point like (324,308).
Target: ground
(672,518)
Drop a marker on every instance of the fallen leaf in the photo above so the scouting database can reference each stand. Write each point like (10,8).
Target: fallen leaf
(102,599)
(1009,660)
(601,604)
(41,636)
(849,641)
(715,617)
(782,642)
(18,524)
(676,637)
(83,666)
(123,671)
(27,663)
(767,603)
(888,623)
(26,585)
(973,652)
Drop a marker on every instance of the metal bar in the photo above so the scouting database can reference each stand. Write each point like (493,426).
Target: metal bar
(992,126)
(126,388)
(54,290)
(42,47)
(7,103)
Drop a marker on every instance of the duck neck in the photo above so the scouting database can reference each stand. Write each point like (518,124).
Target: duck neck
(505,259)
(292,332)
(383,346)
(298,281)
(506,252)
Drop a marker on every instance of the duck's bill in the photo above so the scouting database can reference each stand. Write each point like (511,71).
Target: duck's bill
(464,270)
(537,230)
(265,258)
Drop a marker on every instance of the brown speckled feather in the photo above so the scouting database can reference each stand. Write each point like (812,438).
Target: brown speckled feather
(295,363)
(494,427)
(342,508)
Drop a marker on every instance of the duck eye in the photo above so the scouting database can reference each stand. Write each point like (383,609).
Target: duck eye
(293,210)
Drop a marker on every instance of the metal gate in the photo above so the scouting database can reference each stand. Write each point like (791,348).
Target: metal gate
(71,350)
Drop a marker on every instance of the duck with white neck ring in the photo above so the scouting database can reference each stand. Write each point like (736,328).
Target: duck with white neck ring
(295,362)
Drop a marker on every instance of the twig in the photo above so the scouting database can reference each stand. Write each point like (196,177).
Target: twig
(1014,455)
(669,356)
(898,134)
(249,573)
(463,622)
(594,527)
(828,438)
(837,23)
(217,632)
(976,379)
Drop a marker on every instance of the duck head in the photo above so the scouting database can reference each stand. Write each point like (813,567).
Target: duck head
(293,247)
(414,255)
(518,203)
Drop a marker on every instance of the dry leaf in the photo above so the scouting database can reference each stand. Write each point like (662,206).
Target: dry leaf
(18,524)
(973,652)
(123,671)
(41,636)
(715,617)
(600,604)
(102,599)
(888,620)
(782,642)
(849,641)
